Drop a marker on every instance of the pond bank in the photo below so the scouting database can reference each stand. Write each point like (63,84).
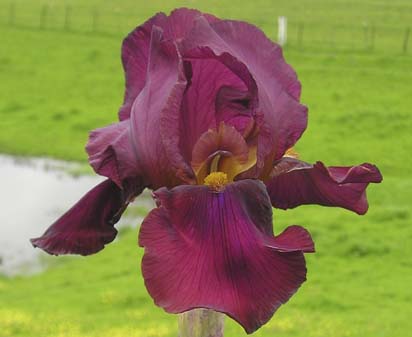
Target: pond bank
(34,193)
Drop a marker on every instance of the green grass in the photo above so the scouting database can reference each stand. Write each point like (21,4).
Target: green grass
(57,85)
(336,24)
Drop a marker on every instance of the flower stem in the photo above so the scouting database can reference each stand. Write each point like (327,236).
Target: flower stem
(201,323)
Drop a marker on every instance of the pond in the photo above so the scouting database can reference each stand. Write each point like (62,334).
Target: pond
(34,193)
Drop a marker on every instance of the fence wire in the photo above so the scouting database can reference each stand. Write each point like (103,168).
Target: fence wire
(301,34)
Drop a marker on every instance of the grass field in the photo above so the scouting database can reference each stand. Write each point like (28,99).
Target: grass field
(312,24)
(56,85)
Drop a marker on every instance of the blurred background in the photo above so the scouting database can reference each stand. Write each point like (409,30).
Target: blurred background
(61,76)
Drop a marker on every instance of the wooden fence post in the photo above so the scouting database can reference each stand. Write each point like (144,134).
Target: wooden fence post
(406,40)
(372,38)
(300,35)
(332,37)
(43,16)
(365,35)
(67,16)
(95,20)
(12,14)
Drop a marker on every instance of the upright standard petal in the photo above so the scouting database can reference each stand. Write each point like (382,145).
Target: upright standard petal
(181,22)
(88,226)
(135,49)
(199,106)
(294,182)
(284,119)
(207,102)
(135,58)
(159,99)
(217,250)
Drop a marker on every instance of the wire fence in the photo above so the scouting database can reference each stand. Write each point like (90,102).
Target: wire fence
(361,36)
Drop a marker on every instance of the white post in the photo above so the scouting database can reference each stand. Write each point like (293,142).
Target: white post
(282,30)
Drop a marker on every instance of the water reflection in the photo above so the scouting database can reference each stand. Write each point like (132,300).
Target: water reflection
(33,193)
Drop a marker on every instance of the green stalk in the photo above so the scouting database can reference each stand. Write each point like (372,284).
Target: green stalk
(201,323)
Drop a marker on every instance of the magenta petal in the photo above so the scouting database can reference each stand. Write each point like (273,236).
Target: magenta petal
(111,153)
(154,111)
(135,58)
(295,183)
(278,88)
(198,112)
(135,49)
(182,20)
(294,238)
(88,226)
(217,250)
(233,107)
(205,99)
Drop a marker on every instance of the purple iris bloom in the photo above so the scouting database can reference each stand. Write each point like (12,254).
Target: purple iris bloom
(210,115)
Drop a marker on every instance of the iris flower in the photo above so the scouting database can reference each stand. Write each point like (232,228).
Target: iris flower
(210,115)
